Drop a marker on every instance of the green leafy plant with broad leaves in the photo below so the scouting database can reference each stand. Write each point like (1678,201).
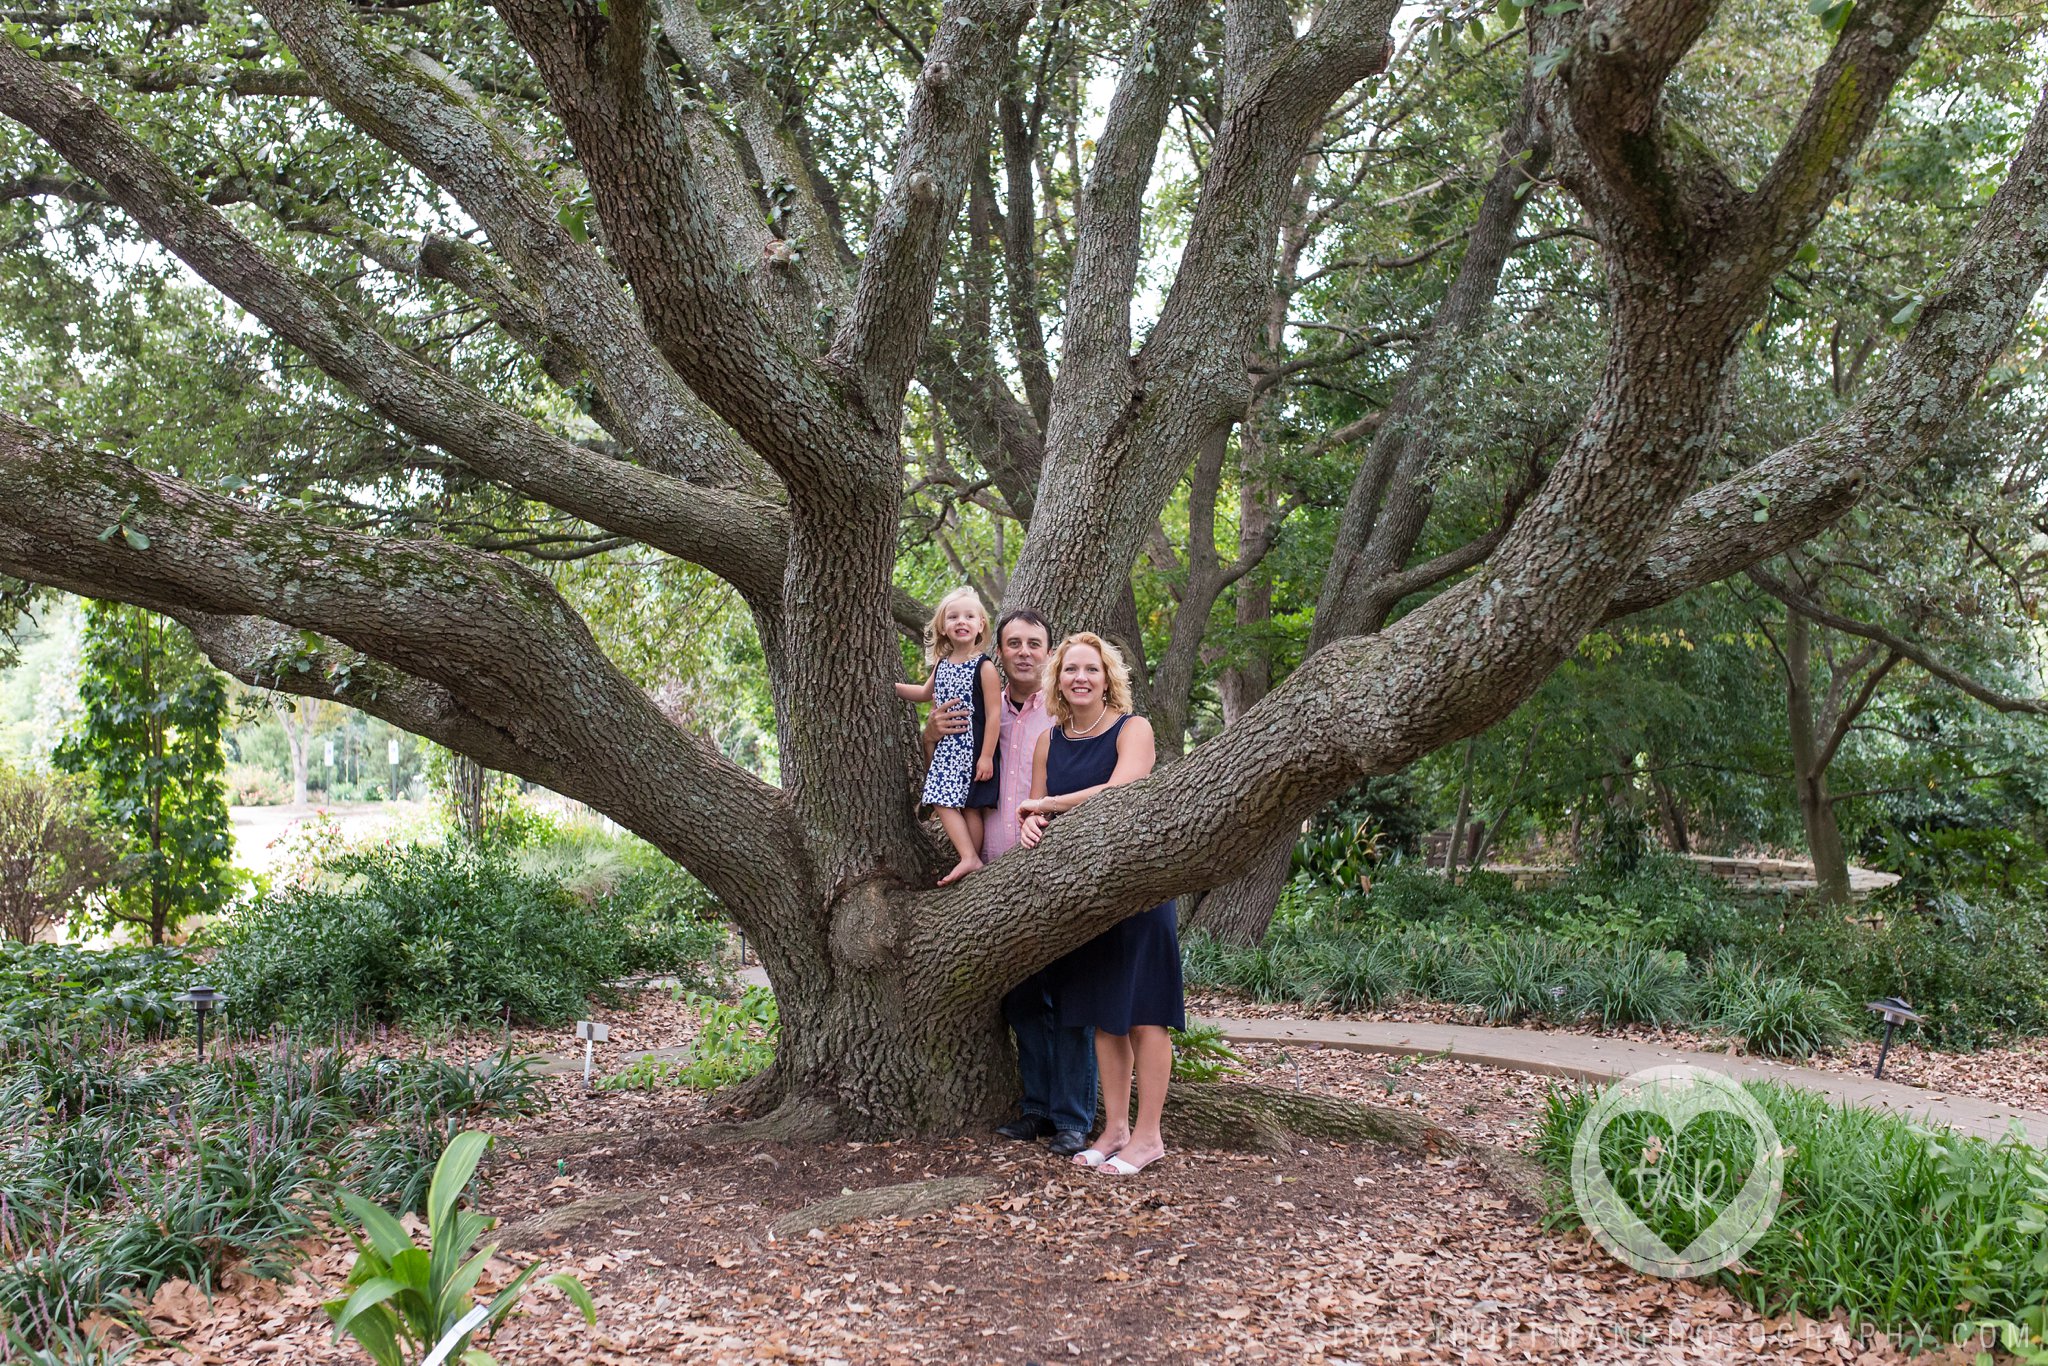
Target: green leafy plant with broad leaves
(416,1306)
(1201,1054)
(736,1040)
(151,742)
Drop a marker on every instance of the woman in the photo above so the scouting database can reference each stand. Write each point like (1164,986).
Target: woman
(1125,982)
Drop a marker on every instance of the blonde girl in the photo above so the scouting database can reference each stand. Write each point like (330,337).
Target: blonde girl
(961,782)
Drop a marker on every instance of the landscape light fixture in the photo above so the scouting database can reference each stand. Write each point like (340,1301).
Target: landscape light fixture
(1896,1012)
(203,1000)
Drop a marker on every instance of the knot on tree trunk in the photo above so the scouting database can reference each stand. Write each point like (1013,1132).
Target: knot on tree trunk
(865,933)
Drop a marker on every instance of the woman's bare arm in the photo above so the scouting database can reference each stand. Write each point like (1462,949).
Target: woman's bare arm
(1136,751)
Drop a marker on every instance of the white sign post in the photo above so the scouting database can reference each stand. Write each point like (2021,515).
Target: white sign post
(591,1034)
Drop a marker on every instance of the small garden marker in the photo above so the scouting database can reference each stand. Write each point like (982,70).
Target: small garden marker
(591,1034)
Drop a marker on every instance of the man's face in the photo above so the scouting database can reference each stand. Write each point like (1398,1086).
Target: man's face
(1023,648)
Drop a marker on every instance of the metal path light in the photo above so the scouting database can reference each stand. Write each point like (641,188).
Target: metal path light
(203,1000)
(1896,1012)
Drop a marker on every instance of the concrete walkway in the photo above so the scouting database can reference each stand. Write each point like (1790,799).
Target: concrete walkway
(1588,1058)
(1582,1057)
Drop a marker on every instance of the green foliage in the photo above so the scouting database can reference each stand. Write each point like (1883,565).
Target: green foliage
(61,989)
(1914,1231)
(55,859)
(1779,1016)
(1200,1054)
(408,1303)
(735,1040)
(1629,983)
(151,741)
(454,933)
(119,1176)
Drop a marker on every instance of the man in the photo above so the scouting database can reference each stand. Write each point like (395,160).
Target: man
(1055,1065)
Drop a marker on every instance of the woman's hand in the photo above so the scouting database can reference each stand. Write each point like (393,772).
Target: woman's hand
(1032,829)
(1035,806)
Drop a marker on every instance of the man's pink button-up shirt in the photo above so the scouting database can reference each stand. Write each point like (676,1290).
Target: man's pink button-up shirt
(1021,728)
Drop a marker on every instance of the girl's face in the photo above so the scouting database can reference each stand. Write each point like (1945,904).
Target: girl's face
(964,623)
(1081,676)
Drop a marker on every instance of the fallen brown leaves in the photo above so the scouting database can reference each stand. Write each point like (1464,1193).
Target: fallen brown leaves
(1329,1255)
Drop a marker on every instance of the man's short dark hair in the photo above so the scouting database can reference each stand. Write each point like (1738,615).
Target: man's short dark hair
(1031,616)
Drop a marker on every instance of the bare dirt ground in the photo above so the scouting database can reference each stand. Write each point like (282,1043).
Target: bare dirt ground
(1333,1254)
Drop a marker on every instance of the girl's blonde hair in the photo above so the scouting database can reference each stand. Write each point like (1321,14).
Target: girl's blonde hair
(935,633)
(1116,691)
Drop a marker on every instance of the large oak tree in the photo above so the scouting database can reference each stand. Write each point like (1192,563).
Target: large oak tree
(749,384)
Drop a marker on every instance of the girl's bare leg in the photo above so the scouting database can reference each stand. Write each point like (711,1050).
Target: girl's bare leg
(1113,1065)
(968,845)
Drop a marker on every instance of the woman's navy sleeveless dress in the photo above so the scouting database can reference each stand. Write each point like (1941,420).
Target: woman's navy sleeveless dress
(1130,973)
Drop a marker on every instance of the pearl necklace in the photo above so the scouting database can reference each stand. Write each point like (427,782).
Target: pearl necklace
(1070,733)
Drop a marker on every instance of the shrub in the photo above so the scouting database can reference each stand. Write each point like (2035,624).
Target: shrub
(1508,978)
(1914,1231)
(1359,976)
(1781,1017)
(50,989)
(437,934)
(54,857)
(1631,983)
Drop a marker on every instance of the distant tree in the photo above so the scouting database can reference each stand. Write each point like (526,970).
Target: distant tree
(151,743)
(51,857)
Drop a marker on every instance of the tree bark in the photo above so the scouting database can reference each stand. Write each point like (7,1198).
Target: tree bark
(888,992)
(1809,770)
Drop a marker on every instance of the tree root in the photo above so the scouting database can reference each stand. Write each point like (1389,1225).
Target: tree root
(549,1223)
(1248,1117)
(798,1119)
(885,1202)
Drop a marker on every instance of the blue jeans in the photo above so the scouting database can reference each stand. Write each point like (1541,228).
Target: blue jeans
(1055,1064)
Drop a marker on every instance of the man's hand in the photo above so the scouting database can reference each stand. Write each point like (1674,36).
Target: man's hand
(947,718)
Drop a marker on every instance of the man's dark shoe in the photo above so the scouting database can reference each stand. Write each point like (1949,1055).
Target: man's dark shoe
(1028,1129)
(1067,1142)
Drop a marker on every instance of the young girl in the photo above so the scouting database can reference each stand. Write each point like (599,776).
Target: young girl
(961,782)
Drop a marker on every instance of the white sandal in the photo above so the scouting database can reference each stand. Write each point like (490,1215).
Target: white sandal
(1092,1157)
(1116,1166)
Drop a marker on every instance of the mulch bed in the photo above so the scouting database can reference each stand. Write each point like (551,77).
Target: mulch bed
(1333,1254)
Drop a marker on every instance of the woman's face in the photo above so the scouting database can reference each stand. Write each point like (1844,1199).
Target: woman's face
(1081,677)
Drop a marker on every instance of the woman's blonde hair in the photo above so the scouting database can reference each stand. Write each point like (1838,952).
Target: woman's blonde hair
(935,633)
(1116,691)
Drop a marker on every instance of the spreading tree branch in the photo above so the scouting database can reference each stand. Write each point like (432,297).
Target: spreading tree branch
(1900,646)
(499,647)
(733,534)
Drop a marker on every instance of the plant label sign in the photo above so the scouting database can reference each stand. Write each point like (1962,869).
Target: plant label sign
(592,1034)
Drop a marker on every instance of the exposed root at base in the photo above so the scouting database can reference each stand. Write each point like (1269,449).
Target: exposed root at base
(1248,1117)
(541,1227)
(798,1119)
(906,1201)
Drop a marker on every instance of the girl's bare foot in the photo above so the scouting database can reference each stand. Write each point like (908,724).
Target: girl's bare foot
(961,869)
